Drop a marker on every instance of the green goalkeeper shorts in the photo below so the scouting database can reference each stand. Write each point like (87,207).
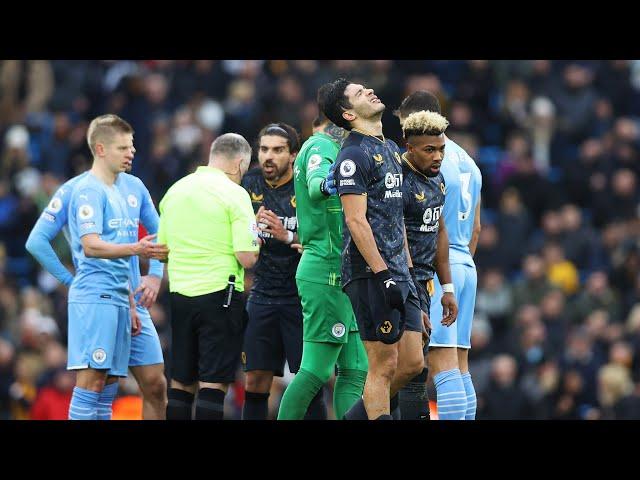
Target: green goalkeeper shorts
(327,313)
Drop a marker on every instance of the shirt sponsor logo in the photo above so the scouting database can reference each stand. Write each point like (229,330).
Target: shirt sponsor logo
(85,211)
(132,201)
(55,205)
(347,168)
(394,194)
(429,228)
(123,222)
(392,180)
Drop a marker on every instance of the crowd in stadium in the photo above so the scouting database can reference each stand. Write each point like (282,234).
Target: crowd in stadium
(556,330)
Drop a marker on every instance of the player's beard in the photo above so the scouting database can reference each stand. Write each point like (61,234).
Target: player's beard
(276,174)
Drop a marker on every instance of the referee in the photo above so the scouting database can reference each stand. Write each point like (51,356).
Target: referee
(207,220)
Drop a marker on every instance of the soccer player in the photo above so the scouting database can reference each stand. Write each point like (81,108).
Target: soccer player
(375,260)
(449,347)
(423,191)
(101,229)
(329,325)
(207,222)
(274,331)
(145,361)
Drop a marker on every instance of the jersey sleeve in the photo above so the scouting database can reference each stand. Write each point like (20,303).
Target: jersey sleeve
(317,167)
(244,230)
(353,171)
(88,207)
(151,221)
(51,221)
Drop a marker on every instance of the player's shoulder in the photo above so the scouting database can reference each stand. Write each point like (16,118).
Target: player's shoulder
(253,176)
(130,180)
(392,144)
(87,182)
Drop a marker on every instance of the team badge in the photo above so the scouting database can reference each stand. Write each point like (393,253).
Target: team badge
(293,201)
(347,168)
(338,330)
(99,355)
(243,358)
(55,205)
(386,327)
(85,212)
(443,188)
(132,201)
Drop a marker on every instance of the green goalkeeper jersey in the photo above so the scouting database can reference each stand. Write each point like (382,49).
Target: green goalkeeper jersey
(319,216)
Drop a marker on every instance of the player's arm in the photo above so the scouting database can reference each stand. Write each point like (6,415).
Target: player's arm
(320,175)
(477,227)
(53,218)
(244,232)
(150,283)
(443,269)
(355,215)
(94,247)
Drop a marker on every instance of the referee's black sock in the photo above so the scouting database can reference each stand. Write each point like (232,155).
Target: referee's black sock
(414,401)
(179,405)
(384,417)
(317,409)
(357,412)
(210,404)
(394,407)
(256,406)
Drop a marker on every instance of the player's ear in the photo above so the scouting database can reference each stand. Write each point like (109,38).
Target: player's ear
(348,116)
(100,149)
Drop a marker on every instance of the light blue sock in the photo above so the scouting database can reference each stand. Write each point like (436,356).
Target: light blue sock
(105,401)
(452,398)
(84,404)
(471,396)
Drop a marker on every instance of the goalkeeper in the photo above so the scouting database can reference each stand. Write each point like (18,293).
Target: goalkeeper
(329,325)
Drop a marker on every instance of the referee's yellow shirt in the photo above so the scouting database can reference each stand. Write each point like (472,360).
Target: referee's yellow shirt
(204,218)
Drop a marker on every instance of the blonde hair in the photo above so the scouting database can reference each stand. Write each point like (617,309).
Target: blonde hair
(104,127)
(424,122)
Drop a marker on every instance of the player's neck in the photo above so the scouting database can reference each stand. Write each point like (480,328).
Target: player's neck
(103,174)
(371,127)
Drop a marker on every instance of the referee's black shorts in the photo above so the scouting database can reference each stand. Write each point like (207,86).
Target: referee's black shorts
(206,337)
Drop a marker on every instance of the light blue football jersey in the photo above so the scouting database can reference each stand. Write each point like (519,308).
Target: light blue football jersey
(98,208)
(463,185)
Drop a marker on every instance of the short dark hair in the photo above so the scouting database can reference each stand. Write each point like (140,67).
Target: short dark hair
(332,102)
(283,130)
(418,101)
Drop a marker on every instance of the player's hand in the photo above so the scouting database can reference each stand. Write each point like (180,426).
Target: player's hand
(426,327)
(136,325)
(147,249)
(297,246)
(273,226)
(149,286)
(392,292)
(449,309)
(328,185)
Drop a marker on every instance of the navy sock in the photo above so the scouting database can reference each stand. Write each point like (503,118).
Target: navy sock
(210,404)
(357,412)
(414,402)
(256,406)
(179,405)
(394,407)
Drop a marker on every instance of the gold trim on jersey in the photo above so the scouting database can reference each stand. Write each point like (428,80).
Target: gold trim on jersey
(369,134)
(412,167)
